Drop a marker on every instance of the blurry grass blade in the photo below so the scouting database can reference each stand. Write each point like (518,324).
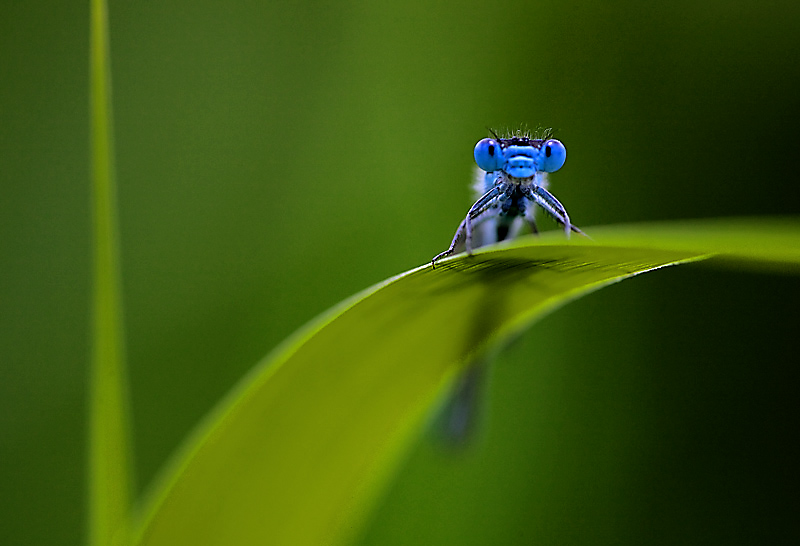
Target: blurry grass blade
(761,243)
(109,467)
(302,446)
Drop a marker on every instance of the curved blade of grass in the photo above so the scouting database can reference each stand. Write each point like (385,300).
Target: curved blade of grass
(109,445)
(299,449)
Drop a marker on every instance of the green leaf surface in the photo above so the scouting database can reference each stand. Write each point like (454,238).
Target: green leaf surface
(298,451)
(109,466)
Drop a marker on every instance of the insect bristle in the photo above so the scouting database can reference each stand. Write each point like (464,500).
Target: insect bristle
(522,133)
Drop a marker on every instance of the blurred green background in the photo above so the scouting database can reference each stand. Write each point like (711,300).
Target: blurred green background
(276,157)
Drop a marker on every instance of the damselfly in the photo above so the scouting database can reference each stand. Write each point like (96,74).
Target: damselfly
(511,182)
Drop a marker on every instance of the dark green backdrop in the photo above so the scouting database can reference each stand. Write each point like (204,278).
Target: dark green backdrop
(276,157)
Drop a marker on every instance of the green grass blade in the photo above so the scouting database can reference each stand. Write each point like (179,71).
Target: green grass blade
(302,446)
(762,243)
(109,467)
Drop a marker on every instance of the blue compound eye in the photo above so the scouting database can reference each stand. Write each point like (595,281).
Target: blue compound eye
(552,156)
(489,155)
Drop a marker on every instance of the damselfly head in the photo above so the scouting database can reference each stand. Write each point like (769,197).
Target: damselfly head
(520,157)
